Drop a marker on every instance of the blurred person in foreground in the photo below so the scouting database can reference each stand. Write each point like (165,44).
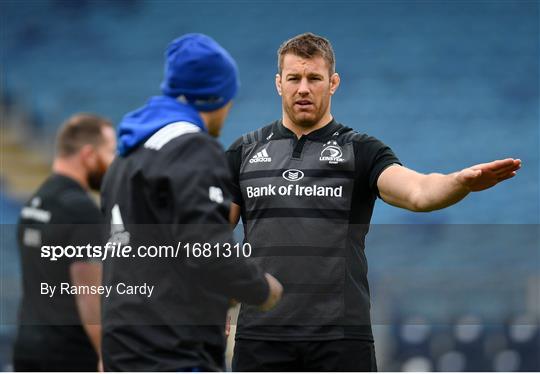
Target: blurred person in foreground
(305,187)
(61,331)
(169,185)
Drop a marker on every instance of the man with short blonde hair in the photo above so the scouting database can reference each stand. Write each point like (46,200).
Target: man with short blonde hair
(305,186)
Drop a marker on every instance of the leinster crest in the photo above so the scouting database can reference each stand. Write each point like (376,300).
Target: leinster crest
(331,153)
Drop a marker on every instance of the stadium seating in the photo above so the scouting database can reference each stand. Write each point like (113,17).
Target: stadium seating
(445,84)
(468,344)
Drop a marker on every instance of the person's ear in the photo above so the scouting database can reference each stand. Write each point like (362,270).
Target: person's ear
(334,83)
(278,84)
(87,154)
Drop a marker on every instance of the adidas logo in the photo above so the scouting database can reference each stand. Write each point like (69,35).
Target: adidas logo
(261,156)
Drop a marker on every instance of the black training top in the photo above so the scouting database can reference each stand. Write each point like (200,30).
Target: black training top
(172,189)
(60,213)
(306,207)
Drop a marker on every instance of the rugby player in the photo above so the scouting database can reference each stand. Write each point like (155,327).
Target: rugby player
(63,332)
(305,187)
(169,185)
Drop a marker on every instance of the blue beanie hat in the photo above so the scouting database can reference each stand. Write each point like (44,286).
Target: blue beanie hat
(200,72)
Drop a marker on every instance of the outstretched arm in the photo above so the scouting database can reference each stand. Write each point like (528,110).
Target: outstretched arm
(405,188)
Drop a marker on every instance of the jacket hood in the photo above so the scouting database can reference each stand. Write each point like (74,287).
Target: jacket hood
(137,126)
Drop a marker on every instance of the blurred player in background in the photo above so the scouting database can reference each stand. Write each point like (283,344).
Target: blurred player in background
(62,332)
(305,187)
(170,185)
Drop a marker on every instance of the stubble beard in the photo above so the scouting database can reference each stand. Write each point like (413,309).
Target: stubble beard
(306,122)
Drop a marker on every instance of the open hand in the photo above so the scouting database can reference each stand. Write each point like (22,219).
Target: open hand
(483,176)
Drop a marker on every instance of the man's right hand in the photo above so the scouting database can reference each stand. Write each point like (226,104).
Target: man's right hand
(276,291)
